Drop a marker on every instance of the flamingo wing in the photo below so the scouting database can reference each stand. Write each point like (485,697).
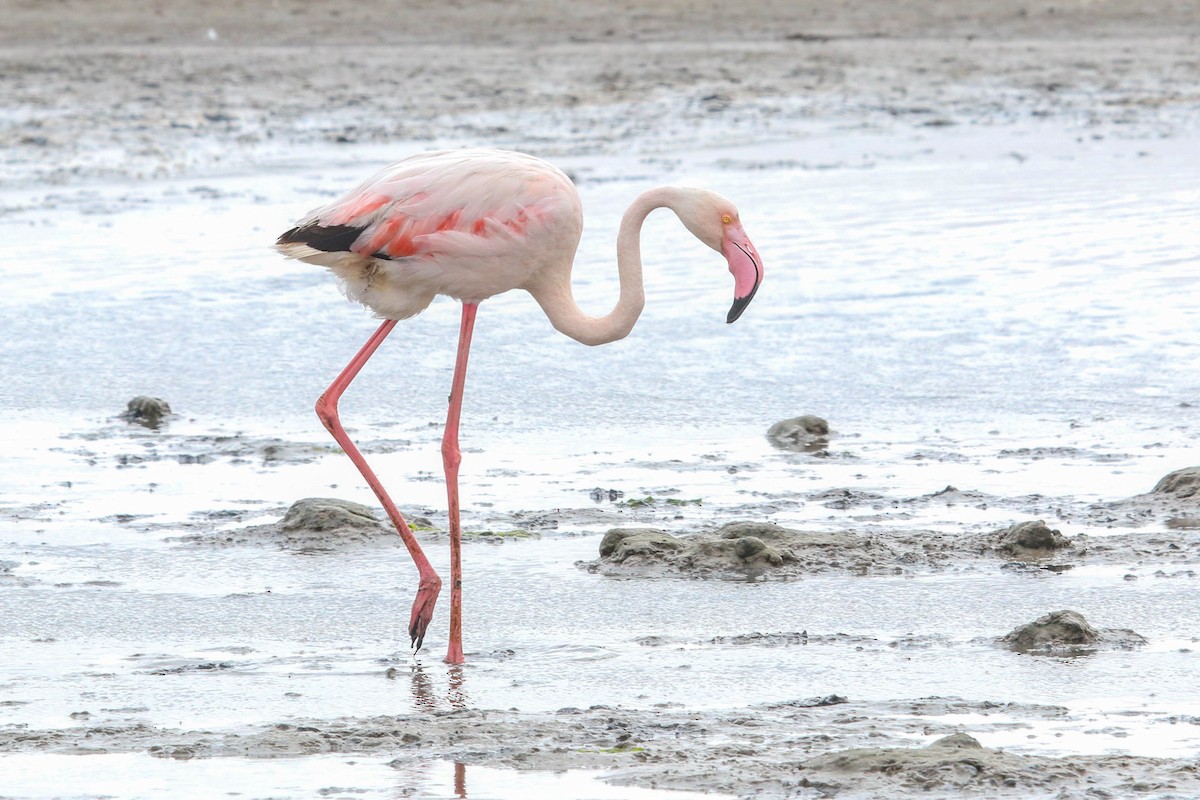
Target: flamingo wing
(469,224)
(437,204)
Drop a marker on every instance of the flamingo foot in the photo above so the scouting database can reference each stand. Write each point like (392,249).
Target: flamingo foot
(422,609)
(454,655)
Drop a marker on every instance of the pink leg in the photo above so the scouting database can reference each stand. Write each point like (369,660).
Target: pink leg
(430,584)
(460,779)
(451,458)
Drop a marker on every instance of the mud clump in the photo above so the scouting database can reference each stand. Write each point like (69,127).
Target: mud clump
(742,550)
(317,524)
(1031,540)
(149,412)
(1182,483)
(737,550)
(957,761)
(311,525)
(8,578)
(1067,632)
(600,495)
(1176,496)
(621,544)
(807,433)
(748,555)
(322,514)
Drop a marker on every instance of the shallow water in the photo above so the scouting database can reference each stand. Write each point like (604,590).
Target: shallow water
(135,776)
(1005,311)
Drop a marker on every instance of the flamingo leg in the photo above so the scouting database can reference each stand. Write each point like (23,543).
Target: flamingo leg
(327,409)
(451,458)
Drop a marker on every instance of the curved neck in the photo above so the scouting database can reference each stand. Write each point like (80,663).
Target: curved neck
(558,301)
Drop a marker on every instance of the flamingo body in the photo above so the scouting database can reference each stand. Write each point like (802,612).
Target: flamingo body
(471,224)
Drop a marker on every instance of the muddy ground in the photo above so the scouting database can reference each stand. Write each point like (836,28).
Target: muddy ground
(763,550)
(778,750)
(114,89)
(129,91)
(815,747)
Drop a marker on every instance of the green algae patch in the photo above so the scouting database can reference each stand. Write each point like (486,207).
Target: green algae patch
(501,536)
(649,501)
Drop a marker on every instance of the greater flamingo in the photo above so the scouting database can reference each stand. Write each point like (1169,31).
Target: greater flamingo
(471,224)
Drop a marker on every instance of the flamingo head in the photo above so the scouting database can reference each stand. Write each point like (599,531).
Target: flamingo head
(714,220)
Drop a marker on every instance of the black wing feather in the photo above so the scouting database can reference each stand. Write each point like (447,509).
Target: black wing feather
(329,238)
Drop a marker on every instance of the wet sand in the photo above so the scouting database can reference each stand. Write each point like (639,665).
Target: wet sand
(104,95)
(115,90)
(778,750)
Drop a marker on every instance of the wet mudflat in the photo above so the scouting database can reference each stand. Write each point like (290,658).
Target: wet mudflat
(993,316)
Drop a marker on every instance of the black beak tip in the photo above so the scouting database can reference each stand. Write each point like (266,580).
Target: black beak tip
(739,305)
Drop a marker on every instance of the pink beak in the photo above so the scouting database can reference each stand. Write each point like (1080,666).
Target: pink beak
(746,266)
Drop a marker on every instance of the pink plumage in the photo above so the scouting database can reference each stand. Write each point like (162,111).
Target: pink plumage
(471,224)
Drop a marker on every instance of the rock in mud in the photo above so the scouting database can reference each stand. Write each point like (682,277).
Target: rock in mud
(806,433)
(149,412)
(1068,632)
(1031,540)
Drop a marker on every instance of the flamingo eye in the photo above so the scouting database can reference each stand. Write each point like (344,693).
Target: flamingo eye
(726,219)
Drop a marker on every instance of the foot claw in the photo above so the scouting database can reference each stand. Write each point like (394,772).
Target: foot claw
(422,610)
(417,632)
